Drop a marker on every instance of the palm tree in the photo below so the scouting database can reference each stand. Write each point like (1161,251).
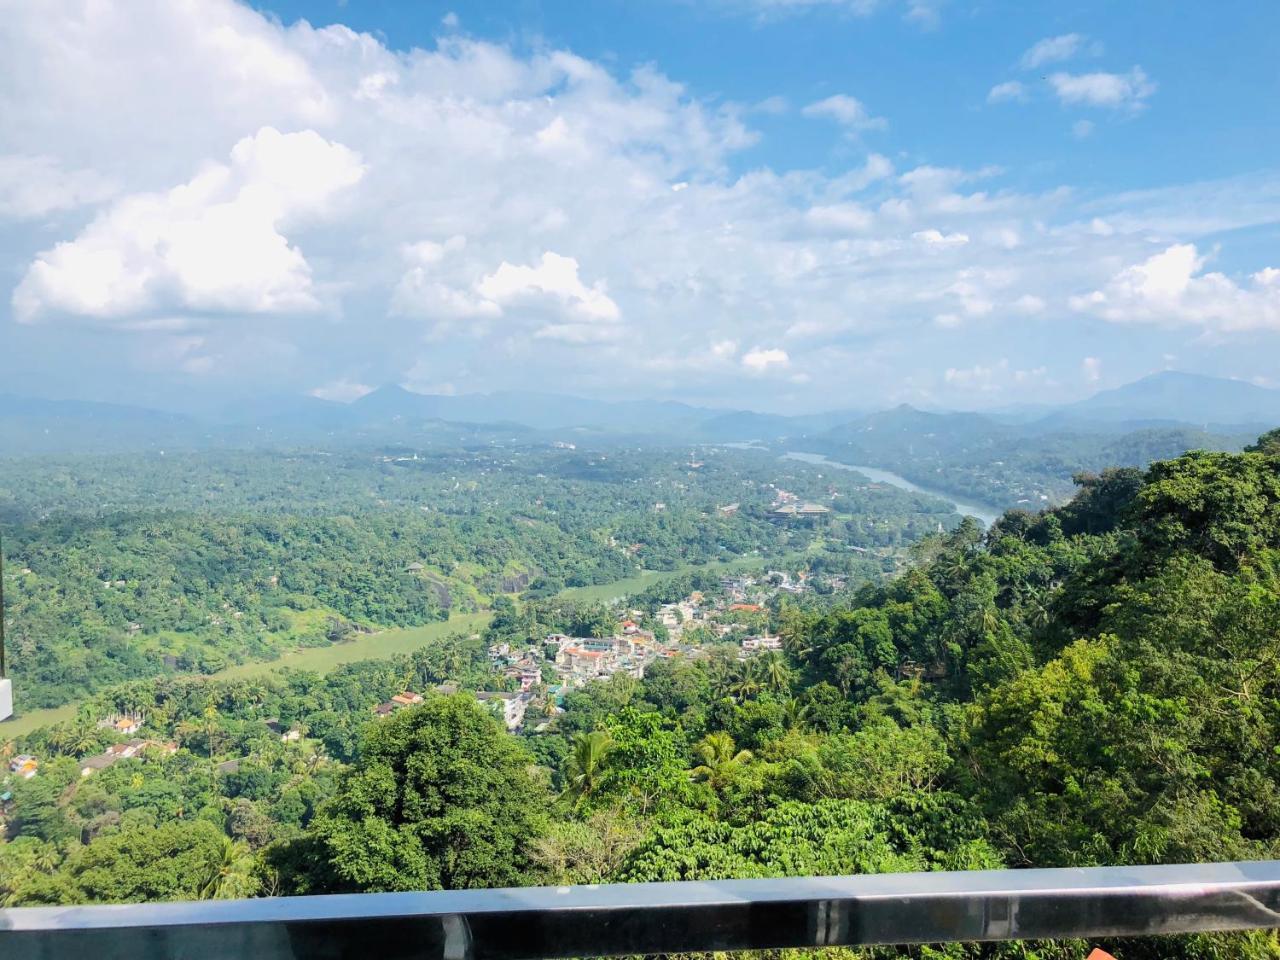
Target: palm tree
(586,765)
(774,672)
(747,685)
(46,857)
(85,740)
(795,715)
(59,738)
(719,765)
(229,873)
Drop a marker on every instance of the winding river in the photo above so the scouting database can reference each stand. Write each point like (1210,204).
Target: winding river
(987,513)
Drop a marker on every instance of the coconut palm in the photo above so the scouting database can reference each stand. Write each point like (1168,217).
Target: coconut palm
(586,765)
(85,740)
(46,857)
(795,715)
(229,872)
(718,764)
(774,672)
(746,685)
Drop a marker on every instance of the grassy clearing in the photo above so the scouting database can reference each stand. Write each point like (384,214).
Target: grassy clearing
(373,646)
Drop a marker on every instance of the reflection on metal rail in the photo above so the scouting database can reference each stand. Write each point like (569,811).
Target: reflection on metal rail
(538,922)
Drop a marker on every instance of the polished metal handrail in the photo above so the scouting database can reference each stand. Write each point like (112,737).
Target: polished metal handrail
(538,922)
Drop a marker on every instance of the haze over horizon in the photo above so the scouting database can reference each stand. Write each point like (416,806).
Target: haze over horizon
(852,205)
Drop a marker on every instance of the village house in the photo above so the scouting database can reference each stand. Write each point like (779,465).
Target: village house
(286,734)
(24,765)
(510,706)
(127,724)
(122,751)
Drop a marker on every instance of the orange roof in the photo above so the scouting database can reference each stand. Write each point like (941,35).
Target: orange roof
(749,607)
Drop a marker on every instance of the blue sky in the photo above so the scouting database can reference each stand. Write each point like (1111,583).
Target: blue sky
(786,204)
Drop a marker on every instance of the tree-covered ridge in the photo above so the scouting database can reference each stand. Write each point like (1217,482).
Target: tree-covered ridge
(189,563)
(1095,684)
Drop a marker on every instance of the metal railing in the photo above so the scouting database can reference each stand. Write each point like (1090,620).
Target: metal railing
(645,918)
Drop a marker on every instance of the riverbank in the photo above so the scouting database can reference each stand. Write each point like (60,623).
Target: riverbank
(986,512)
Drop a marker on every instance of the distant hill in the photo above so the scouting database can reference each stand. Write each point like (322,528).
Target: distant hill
(1174,397)
(30,425)
(1171,403)
(543,411)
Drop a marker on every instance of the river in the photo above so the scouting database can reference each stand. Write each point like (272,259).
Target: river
(987,513)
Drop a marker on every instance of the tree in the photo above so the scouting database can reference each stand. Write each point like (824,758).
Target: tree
(1268,444)
(228,873)
(585,766)
(774,673)
(718,764)
(168,862)
(440,797)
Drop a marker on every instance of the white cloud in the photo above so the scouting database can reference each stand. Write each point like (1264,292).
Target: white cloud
(758,360)
(1091,369)
(1029,304)
(924,13)
(1082,129)
(211,245)
(524,151)
(33,186)
(1052,50)
(1007,91)
(341,391)
(556,277)
(1128,91)
(580,333)
(845,110)
(840,218)
(936,238)
(427,252)
(1171,289)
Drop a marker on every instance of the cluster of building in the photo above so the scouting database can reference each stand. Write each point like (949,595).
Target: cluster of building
(787,506)
(122,751)
(509,706)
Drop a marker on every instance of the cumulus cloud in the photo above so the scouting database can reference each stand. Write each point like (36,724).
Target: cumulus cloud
(1091,369)
(1052,50)
(211,245)
(840,217)
(1115,91)
(513,205)
(936,238)
(758,360)
(555,277)
(1172,289)
(1029,304)
(1008,91)
(849,112)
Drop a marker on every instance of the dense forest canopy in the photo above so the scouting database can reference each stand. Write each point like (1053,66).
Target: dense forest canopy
(122,567)
(1094,684)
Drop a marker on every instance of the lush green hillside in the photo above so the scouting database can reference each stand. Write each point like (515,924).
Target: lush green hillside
(123,567)
(1096,684)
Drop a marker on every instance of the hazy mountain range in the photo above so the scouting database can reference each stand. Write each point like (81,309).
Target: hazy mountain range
(392,414)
